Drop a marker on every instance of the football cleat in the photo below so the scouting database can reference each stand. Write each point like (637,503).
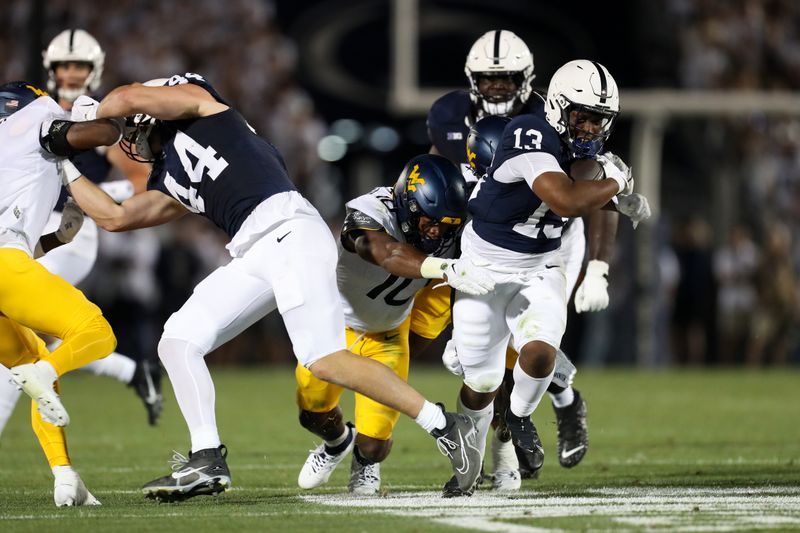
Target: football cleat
(36,380)
(365,480)
(506,480)
(458,441)
(573,433)
(69,489)
(320,464)
(146,382)
(204,472)
(527,444)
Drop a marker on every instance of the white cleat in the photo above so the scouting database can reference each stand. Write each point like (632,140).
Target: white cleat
(365,480)
(69,489)
(36,380)
(506,475)
(320,464)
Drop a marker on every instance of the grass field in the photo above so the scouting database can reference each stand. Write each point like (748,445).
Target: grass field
(690,451)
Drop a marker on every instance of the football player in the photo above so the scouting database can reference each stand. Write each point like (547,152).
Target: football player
(519,210)
(387,237)
(208,160)
(34,137)
(500,70)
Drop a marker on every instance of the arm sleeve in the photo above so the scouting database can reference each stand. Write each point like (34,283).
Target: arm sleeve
(527,166)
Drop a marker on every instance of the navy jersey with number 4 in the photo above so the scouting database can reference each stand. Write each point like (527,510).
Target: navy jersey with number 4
(505,210)
(216,165)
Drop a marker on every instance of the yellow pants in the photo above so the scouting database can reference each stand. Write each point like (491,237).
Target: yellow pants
(431,312)
(18,346)
(371,418)
(33,297)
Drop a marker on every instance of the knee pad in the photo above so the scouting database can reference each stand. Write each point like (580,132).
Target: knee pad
(193,328)
(169,348)
(483,379)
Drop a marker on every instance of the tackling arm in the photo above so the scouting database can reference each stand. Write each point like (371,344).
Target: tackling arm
(398,258)
(165,103)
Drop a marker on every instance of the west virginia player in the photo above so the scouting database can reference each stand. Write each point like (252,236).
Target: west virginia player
(391,230)
(208,160)
(74,62)
(33,138)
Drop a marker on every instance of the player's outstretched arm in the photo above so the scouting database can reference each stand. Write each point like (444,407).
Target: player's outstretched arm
(398,258)
(150,208)
(165,103)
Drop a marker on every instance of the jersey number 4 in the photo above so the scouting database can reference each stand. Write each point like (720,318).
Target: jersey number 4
(206,163)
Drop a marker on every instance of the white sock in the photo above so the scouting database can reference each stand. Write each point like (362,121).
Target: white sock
(482,419)
(114,365)
(527,391)
(9,394)
(563,398)
(504,458)
(194,390)
(430,417)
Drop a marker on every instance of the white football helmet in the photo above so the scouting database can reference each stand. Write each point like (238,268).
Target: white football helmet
(74,45)
(500,53)
(582,85)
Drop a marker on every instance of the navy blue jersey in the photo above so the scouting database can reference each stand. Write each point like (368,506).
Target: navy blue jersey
(217,166)
(510,215)
(450,118)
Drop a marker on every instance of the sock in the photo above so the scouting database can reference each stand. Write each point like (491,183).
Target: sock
(194,390)
(482,419)
(52,439)
(527,392)
(115,365)
(564,398)
(340,443)
(504,458)
(430,417)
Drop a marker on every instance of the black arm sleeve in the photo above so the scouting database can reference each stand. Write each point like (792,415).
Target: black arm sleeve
(55,140)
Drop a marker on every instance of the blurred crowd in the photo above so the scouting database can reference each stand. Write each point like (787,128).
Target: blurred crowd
(727,293)
(736,297)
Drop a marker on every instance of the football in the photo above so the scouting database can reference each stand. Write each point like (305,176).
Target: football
(586,169)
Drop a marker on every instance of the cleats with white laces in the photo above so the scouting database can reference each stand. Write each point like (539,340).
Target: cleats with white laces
(36,380)
(204,472)
(458,442)
(320,464)
(365,479)
(69,489)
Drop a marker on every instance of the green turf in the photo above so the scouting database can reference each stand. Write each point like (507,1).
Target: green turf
(721,429)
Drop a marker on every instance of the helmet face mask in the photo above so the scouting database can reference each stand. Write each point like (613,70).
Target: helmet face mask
(582,106)
(498,55)
(74,46)
(430,202)
(139,137)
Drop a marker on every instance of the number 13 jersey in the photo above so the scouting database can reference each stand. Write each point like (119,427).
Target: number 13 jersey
(374,300)
(217,165)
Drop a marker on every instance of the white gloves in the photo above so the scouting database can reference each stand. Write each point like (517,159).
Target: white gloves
(461,274)
(118,190)
(634,206)
(616,169)
(69,490)
(450,358)
(592,295)
(71,222)
(84,108)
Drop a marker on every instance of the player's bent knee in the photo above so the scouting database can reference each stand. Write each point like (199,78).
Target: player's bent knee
(537,358)
(169,348)
(327,425)
(484,381)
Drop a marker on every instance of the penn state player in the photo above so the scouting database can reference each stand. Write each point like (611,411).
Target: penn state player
(208,160)
(500,70)
(74,63)
(518,214)
(34,136)
(390,230)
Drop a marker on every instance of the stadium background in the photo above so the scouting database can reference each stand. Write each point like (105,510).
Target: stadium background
(711,280)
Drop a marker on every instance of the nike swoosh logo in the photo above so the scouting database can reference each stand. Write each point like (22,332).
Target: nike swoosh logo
(551,266)
(573,451)
(281,238)
(464,457)
(183,473)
